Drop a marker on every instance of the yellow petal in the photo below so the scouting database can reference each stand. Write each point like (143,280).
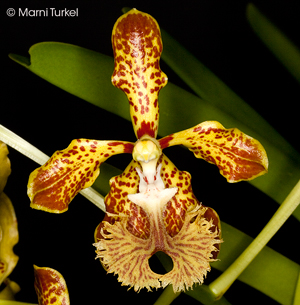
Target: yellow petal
(4,165)
(237,155)
(52,186)
(50,287)
(9,236)
(137,48)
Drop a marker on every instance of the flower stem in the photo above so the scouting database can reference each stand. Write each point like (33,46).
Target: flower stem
(167,297)
(224,281)
(22,146)
(30,151)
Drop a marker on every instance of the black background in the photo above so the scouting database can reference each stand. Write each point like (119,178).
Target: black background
(218,34)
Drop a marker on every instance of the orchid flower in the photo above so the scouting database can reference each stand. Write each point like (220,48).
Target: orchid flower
(151,206)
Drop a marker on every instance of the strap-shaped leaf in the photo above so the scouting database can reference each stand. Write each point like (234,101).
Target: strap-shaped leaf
(50,286)
(237,155)
(52,186)
(275,40)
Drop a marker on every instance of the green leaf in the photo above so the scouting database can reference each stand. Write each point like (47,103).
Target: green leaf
(82,72)
(297,292)
(285,51)
(87,74)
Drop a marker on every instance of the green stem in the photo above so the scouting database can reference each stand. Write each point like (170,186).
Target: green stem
(22,146)
(223,282)
(167,297)
(30,151)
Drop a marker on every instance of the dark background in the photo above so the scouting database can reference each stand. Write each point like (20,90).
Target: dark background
(218,34)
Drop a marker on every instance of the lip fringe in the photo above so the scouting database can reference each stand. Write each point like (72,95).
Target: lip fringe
(191,250)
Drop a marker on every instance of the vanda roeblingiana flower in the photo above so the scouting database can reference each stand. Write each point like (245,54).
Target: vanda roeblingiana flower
(151,206)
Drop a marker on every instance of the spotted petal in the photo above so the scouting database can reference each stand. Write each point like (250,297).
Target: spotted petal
(137,47)
(117,203)
(50,287)
(52,186)
(237,155)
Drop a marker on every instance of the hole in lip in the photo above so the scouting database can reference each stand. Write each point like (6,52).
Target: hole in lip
(161,263)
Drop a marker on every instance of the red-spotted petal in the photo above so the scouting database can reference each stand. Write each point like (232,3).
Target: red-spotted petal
(50,287)
(117,203)
(184,200)
(163,217)
(237,155)
(52,186)
(137,47)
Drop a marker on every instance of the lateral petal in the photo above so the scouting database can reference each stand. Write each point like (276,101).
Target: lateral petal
(50,287)
(52,186)
(137,47)
(237,155)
